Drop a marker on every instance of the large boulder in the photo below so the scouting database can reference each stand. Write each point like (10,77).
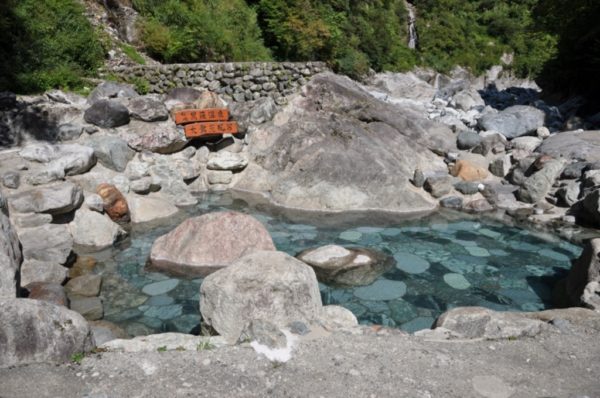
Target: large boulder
(338,148)
(10,255)
(514,121)
(34,331)
(583,146)
(33,271)
(145,209)
(113,152)
(345,266)
(404,86)
(72,159)
(479,322)
(265,285)
(50,242)
(57,198)
(107,114)
(583,281)
(148,109)
(111,90)
(535,187)
(94,231)
(202,245)
(160,137)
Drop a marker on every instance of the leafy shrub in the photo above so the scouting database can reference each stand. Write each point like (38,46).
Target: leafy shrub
(46,44)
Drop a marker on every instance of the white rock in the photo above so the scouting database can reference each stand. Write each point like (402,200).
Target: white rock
(94,202)
(226,161)
(94,231)
(145,208)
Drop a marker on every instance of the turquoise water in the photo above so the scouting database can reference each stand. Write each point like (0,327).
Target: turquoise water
(444,264)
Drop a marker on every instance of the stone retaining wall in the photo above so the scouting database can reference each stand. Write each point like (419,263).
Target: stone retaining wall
(242,81)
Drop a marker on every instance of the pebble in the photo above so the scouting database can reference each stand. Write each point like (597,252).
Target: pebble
(351,236)
(410,263)
(457,281)
(158,288)
(381,289)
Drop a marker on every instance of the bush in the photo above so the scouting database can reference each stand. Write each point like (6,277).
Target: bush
(48,44)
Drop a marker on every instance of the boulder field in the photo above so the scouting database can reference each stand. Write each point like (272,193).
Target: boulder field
(82,173)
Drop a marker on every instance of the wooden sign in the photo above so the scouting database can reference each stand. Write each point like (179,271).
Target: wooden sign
(201,115)
(196,130)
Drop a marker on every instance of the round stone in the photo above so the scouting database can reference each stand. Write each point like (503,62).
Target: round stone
(554,255)
(351,236)
(410,263)
(326,254)
(381,289)
(162,287)
(391,232)
(477,251)
(369,230)
(164,312)
(157,301)
(457,281)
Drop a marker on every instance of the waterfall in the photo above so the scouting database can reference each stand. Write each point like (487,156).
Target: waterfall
(413,38)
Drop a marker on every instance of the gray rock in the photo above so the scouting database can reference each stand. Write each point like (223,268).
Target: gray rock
(452,202)
(50,242)
(31,220)
(500,167)
(514,121)
(104,331)
(170,342)
(89,307)
(36,331)
(204,244)
(345,267)
(107,90)
(264,333)
(94,231)
(51,173)
(85,286)
(574,170)
(94,202)
(495,143)
(219,177)
(73,159)
(543,132)
(50,292)
(226,161)
(69,131)
(536,187)
(568,194)
(148,109)
(418,178)
(264,285)
(113,152)
(404,86)
(591,205)
(145,209)
(58,198)
(10,255)
(160,137)
(334,317)
(142,186)
(467,99)
(583,278)
(478,322)
(467,187)
(577,145)
(107,114)
(468,139)
(591,178)
(438,186)
(42,271)
(8,100)
(137,169)
(11,179)
(528,144)
(316,155)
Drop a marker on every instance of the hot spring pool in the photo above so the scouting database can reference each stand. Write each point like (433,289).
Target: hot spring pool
(446,264)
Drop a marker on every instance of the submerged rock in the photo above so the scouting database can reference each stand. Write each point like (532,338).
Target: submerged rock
(202,245)
(345,267)
(264,285)
(36,331)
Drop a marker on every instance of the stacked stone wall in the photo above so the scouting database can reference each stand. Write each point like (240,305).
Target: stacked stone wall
(241,81)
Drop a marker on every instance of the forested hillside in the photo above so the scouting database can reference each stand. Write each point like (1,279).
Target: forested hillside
(49,44)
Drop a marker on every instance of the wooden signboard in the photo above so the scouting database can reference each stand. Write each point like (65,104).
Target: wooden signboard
(196,130)
(186,116)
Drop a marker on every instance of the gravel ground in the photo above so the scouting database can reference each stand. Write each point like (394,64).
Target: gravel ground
(554,364)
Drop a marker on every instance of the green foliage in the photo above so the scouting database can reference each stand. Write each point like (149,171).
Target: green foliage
(204,345)
(77,357)
(200,30)
(132,53)
(162,348)
(142,86)
(46,44)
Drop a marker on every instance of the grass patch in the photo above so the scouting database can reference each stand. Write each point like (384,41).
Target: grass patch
(132,53)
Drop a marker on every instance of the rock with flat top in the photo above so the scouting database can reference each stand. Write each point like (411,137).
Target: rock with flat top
(57,198)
